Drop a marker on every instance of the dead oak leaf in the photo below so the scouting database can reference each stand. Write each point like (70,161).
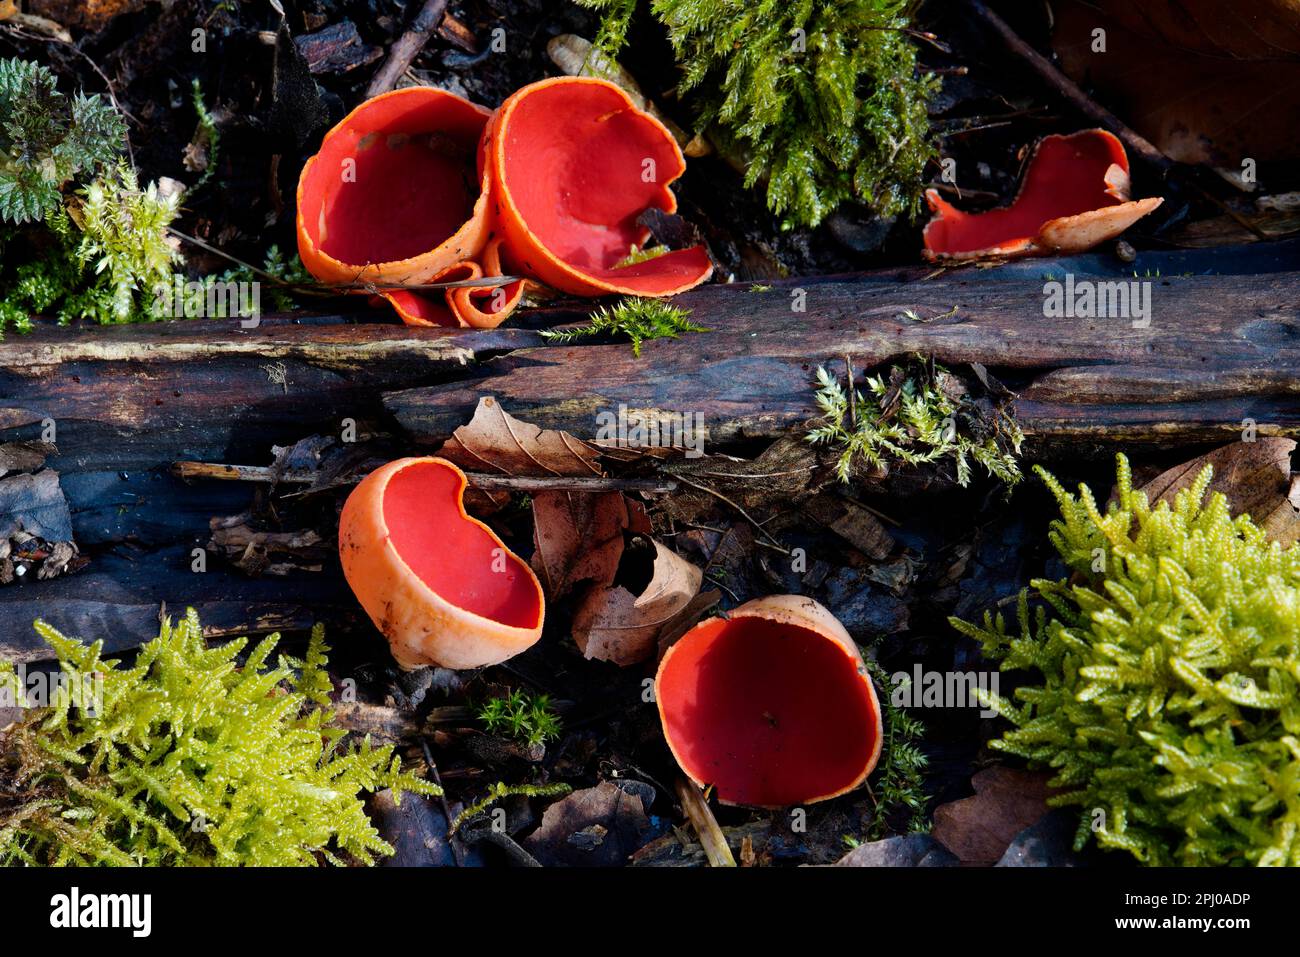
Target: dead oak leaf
(578,536)
(979,829)
(613,624)
(494,441)
(1255,477)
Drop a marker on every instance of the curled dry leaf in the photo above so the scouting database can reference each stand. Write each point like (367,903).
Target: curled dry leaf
(495,441)
(978,829)
(1255,477)
(613,624)
(578,536)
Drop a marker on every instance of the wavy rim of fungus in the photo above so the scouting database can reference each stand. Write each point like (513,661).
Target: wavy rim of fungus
(525,245)
(464,242)
(1028,225)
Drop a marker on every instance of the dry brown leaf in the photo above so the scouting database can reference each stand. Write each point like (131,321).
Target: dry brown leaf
(1203,80)
(495,441)
(1254,476)
(578,536)
(91,15)
(978,829)
(612,624)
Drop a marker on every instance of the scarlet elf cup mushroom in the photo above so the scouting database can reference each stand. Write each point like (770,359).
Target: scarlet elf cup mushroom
(1075,194)
(438,583)
(771,705)
(421,186)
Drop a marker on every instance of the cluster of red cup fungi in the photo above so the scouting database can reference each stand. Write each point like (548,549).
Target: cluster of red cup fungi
(422,186)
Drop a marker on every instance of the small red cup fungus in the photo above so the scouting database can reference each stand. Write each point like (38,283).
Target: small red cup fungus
(393,195)
(438,583)
(772,705)
(1075,195)
(573,164)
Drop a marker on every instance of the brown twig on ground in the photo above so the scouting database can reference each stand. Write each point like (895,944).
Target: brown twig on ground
(1071,90)
(1086,104)
(452,842)
(480,480)
(700,815)
(407,47)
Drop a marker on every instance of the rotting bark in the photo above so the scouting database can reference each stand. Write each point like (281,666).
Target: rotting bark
(127,402)
(1220,349)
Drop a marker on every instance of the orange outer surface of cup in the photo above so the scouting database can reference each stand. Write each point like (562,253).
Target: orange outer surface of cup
(422,627)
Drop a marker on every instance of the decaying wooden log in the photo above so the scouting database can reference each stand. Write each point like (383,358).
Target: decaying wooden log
(127,402)
(1218,350)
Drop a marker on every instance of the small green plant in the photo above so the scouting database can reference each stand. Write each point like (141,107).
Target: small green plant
(206,136)
(897,783)
(187,758)
(47,140)
(1164,687)
(824,99)
(919,415)
(636,319)
(500,791)
(517,714)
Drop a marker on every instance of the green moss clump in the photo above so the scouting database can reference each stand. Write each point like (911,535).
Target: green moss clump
(919,414)
(530,718)
(1167,687)
(823,98)
(186,758)
(636,319)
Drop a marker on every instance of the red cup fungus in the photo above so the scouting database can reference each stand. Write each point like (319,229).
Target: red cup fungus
(438,583)
(574,163)
(771,706)
(1075,194)
(421,186)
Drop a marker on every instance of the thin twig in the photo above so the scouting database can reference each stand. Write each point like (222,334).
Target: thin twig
(700,815)
(407,47)
(452,841)
(758,525)
(493,483)
(1071,90)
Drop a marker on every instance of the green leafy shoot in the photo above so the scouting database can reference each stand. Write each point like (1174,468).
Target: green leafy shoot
(207,136)
(918,414)
(517,714)
(636,319)
(896,786)
(189,758)
(48,139)
(501,790)
(124,242)
(1162,678)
